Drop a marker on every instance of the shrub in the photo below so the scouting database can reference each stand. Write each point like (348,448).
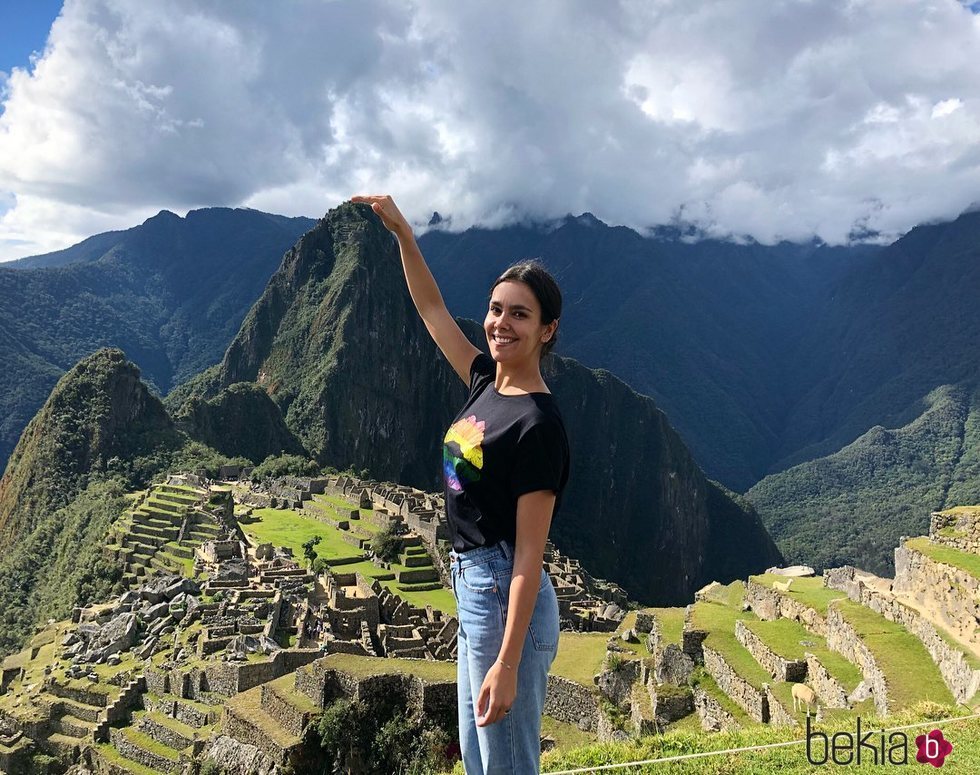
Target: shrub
(284,465)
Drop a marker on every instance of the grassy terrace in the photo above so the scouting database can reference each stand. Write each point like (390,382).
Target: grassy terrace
(717,617)
(362,667)
(111,755)
(702,679)
(566,736)
(809,591)
(784,637)
(909,670)
(284,527)
(580,656)
(964,561)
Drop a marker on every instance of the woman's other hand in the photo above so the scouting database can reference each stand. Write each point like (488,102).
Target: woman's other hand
(497,694)
(390,215)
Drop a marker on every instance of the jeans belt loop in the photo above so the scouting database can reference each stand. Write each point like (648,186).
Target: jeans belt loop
(508,554)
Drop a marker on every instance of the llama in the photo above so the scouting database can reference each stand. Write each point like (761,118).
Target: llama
(805,695)
(782,586)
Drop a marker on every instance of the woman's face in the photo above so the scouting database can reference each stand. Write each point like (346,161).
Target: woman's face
(513,323)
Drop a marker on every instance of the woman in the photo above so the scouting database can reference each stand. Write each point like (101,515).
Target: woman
(506,463)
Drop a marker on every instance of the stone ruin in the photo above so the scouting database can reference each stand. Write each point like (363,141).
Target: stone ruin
(139,621)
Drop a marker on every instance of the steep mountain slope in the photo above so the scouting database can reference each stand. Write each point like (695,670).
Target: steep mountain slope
(99,432)
(240,420)
(99,411)
(852,507)
(171,293)
(337,344)
(898,327)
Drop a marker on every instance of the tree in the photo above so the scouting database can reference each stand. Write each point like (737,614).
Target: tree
(309,552)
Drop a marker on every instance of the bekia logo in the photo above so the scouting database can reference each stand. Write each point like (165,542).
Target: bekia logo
(933,748)
(873,747)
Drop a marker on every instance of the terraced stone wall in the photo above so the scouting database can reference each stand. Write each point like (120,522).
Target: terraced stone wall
(769,604)
(952,591)
(842,638)
(961,530)
(752,700)
(778,667)
(961,679)
(714,718)
(830,691)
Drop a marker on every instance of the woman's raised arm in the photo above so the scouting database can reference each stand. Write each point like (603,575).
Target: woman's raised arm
(459,351)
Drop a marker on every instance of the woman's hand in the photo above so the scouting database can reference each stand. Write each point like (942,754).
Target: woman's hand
(496,695)
(390,215)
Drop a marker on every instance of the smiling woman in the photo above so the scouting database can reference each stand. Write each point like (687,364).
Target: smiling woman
(506,463)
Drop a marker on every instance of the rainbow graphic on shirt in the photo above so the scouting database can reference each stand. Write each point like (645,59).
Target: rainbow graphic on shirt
(463,462)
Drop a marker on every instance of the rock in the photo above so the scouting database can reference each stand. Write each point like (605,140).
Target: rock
(154,612)
(629,636)
(129,597)
(113,659)
(119,634)
(70,639)
(146,650)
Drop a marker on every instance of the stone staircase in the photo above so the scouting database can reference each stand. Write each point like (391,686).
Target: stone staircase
(160,534)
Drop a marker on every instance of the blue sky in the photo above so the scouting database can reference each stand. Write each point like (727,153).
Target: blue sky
(24,26)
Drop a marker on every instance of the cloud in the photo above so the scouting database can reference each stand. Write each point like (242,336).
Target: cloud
(782,120)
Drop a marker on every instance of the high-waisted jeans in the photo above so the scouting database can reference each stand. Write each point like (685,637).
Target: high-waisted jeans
(481,581)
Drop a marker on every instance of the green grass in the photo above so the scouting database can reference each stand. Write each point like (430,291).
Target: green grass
(566,736)
(284,527)
(909,670)
(783,636)
(717,617)
(580,656)
(809,590)
(964,561)
(789,760)
(110,754)
(363,667)
(671,622)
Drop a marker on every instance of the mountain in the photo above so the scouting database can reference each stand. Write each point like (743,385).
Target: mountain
(100,432)
(336,342)
(170,292)
(239,420)
(901,325)
(709,329)
(852,507)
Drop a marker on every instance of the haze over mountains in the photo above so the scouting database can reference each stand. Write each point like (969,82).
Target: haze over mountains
(763,357)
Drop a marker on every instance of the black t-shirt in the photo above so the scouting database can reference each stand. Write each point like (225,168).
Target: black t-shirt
(498,448)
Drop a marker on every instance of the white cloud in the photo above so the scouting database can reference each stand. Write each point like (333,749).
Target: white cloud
(775,120)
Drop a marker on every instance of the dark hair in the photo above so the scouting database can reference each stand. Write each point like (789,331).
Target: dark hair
(532,273)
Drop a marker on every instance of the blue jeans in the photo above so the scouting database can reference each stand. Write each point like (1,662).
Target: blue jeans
(481,583)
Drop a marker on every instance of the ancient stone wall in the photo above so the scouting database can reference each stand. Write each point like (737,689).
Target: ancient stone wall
(572,703)
(714,718)
(830,691)
(769,604)
(842,638)
(951,592)
(780,668)
(752,700)
(960,530)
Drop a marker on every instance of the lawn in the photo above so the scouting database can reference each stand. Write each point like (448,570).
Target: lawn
(910,673)
(580,656)
(964,561)
(808,590)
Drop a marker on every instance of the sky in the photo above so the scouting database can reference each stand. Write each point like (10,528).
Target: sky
(784,119)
